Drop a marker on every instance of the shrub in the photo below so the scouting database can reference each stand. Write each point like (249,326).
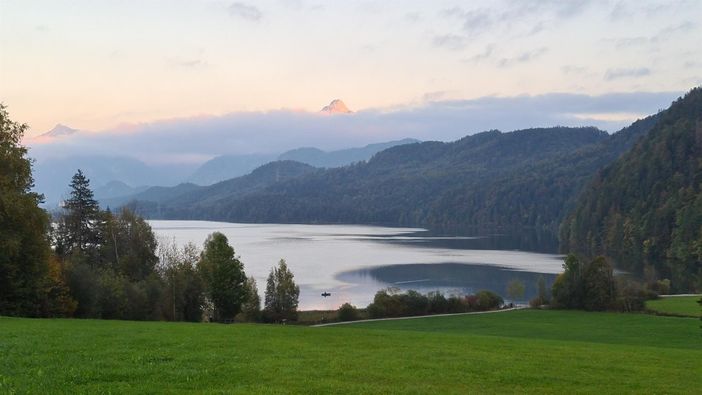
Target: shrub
(537,302)
(588,286)
(347,312)
(632,295)
(487,300)
(392,303)
(663,286)
(437,303)
(456,304)
(386,303)
(414,303)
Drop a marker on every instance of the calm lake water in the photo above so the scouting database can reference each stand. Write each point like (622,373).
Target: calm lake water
(352,262)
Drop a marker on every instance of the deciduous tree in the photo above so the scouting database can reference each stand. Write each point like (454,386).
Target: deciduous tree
(224,277)
(282,294)
(252,306)
(24,246)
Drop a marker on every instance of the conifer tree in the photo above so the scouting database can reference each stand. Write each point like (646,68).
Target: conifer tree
(78,229)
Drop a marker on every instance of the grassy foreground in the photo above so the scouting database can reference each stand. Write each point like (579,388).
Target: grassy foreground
(686,306)
(520,351)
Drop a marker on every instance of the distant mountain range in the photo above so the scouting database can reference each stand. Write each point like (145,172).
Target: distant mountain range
(523,178)
(114,178)
(226,167)
(161,201)
(318,158)
(110,176)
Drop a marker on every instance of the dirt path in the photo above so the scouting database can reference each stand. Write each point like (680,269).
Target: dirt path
(418,316)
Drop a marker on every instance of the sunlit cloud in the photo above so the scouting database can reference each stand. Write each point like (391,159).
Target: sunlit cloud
(200,138)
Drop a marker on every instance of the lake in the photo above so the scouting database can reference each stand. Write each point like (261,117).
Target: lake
(352,262)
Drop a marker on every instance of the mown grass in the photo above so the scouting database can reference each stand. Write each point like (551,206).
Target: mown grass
(686,306)
(523,351)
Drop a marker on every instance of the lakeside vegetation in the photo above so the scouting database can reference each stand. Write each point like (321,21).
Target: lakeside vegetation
(530,351)
(644,211)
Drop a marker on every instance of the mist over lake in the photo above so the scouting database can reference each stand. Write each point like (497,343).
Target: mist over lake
(352,262)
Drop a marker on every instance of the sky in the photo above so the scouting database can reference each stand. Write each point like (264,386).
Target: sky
(201,70)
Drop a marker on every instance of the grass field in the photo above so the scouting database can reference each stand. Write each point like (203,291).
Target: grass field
(677,305)
(520,351)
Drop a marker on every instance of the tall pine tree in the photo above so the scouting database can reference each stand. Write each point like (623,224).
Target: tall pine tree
(78,229)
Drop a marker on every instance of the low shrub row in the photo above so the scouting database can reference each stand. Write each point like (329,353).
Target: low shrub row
(393,303)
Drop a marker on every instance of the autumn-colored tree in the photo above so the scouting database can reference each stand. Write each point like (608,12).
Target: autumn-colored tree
(24,246)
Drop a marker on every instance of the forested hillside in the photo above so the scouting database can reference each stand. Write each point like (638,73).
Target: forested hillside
(225,167)
(185,201)
(328,159)
(491,179)
(644,211)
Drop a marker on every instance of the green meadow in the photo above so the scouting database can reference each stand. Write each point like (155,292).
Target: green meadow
(677,305)
(520,351)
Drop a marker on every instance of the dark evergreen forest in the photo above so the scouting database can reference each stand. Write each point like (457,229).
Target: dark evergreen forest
(644,211)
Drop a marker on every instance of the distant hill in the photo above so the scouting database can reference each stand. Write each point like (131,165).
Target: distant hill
(114,189)
(185,199)
(52,176)
(318,158)
(525,178)
(225,167)
(644,210)
(151,194)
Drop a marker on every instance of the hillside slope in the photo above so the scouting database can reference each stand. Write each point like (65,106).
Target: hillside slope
(645,209)
(183,200)
(226,167)
(491,179)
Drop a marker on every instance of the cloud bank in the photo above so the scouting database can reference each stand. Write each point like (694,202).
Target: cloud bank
(198,139)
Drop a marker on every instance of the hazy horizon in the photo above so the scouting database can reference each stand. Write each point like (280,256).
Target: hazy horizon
(118,67)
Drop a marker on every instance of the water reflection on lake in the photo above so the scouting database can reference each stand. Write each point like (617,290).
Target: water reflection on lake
(449,278)
(352,262)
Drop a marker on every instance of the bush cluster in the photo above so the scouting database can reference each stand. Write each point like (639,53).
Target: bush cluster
(593,286)
(393,303)
(347,312)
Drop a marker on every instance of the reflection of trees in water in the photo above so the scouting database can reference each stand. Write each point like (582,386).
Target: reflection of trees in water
(448,276)
(490,239)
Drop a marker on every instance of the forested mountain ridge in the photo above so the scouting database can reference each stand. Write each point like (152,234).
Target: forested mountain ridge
(328,159)
(644,211)
(226,167)
(495,179)
(158,202)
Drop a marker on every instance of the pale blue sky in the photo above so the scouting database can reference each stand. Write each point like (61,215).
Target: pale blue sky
(97,64)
